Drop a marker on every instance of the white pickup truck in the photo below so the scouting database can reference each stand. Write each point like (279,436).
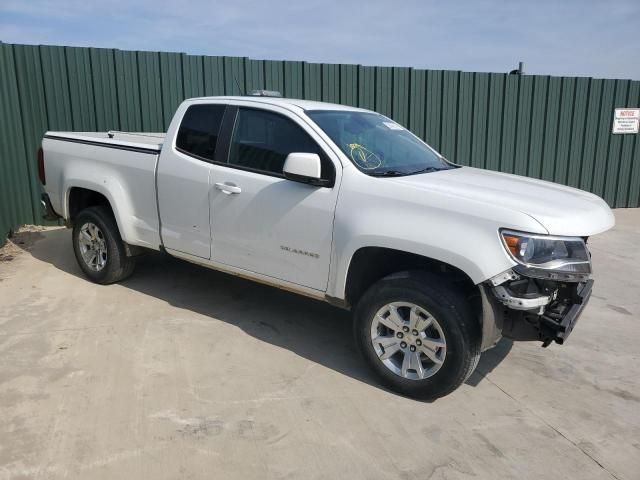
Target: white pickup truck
(436,260)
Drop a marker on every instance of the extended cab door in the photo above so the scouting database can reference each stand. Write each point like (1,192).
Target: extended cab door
(183,173)
(262,222)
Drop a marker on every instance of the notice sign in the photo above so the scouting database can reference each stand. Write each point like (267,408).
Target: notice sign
(626,120)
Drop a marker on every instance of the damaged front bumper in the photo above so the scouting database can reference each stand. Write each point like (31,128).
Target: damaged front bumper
(527,308)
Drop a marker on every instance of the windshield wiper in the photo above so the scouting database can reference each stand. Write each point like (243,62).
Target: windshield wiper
(388,173)
(428,169)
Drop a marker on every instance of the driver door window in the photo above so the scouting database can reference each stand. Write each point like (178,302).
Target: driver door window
(262,140)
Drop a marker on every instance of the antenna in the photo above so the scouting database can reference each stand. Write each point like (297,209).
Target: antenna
(238,85)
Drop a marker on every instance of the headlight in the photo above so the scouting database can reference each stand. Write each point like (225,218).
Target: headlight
(546,256)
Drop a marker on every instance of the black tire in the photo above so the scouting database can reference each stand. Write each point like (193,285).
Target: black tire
(118,265)
(452,313)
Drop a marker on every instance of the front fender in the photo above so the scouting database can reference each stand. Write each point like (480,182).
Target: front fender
(374,213)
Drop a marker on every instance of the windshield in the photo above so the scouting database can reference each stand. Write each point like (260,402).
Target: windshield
(377,145)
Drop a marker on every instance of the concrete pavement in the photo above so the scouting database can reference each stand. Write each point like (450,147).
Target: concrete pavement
(183,372)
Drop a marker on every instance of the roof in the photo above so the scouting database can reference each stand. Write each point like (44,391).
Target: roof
(286,102)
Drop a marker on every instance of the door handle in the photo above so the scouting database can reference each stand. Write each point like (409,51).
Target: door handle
(228,189)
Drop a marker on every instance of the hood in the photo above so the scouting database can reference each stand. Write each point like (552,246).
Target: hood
(559,209)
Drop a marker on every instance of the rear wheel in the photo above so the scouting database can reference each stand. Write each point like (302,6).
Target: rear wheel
(417,334)
(98,247)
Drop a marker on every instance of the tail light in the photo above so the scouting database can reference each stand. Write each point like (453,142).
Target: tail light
(41,175)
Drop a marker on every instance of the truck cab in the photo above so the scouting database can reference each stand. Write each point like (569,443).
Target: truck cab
(224,159)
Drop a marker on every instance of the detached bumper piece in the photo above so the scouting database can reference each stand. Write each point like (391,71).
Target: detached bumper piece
(559,318)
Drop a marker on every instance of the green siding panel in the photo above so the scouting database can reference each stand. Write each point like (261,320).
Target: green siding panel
(494,120)
(213,76)
(401,90)
(294,80)
(330,83)
(449,112)
(565,127)
(273,76)
(508,124)
(627,193)
(367,87)
(80,89)
(480,117)
(590,134)
(604,137)
(171,81)
(233,75)
(150,91)
(551,128)
(192,76)
(16,203)
(417,102)
(313,81)
(433,108)
(56,88)
(554,128)
(33,111)
(537,125)
(128,89)
(104,88)
(384,85)
(464,114)
(520,159)
(576,138)
(615,146)
(349,85)
(254,75)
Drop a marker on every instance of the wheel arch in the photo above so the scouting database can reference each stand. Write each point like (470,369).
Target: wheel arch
(81,195)
(79,198)
(370,264)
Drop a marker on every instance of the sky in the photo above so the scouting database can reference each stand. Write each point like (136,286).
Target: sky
(563,37)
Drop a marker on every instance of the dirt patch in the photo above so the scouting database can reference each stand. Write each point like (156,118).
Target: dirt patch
(20,241)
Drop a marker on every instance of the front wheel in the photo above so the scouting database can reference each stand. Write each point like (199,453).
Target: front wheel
(98,247)
(417,334)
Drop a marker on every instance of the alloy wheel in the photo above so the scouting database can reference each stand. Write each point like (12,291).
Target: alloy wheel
(408,340)
(93,246)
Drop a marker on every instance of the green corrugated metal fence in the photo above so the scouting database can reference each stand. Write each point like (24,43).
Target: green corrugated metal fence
(554,128)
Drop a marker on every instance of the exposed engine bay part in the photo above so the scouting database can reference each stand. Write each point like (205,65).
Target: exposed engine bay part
(519,303)
(522,293)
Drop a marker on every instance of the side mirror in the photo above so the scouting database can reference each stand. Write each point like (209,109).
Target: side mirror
(303,167)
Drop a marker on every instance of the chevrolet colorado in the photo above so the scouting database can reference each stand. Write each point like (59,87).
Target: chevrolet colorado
(437,261)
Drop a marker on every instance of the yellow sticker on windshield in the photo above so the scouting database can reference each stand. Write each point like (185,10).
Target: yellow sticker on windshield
(364,158)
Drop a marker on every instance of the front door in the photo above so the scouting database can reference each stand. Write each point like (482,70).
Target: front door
(262,222)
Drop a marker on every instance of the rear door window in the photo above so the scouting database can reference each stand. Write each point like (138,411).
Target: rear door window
(199,131)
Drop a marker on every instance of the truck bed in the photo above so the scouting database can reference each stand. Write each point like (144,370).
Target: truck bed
(118,165)
(127,140)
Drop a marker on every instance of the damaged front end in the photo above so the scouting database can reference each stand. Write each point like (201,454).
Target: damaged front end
(542,297)
(536,309)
